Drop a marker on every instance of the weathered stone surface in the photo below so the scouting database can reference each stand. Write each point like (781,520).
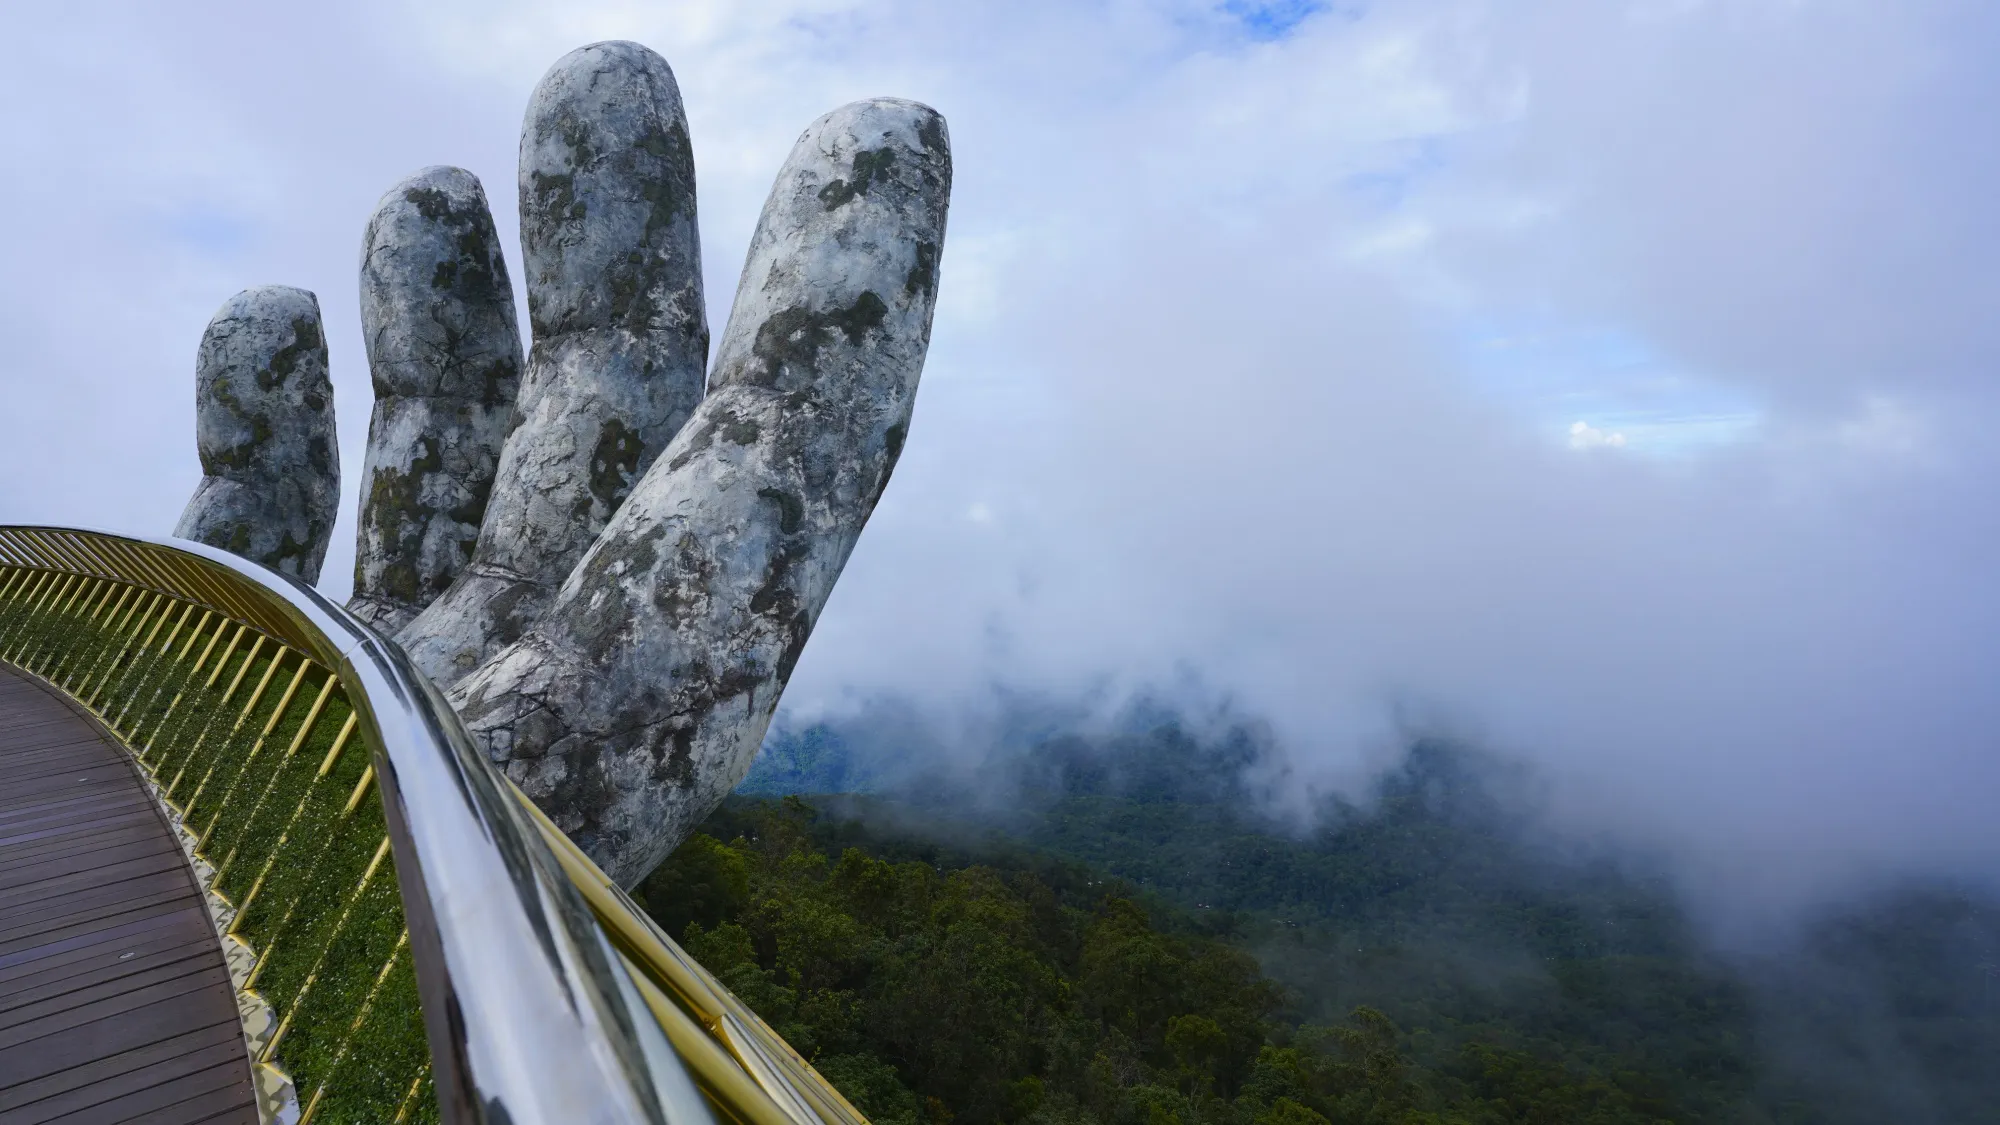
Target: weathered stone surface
(613,266)
(639,699)
(444,347)
(263,413)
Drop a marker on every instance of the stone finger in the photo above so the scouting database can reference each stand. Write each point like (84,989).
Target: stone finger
(264,427)
(444,351)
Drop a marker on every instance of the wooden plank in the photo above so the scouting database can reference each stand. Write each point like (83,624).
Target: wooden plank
(116,896)
(31,1012)
(115,1004)
(58,761)
(138,837)
(134,929)
(76,873)
(71,746)
(149,1023)
(75,827)
(191,1093)
(51,813)
(100,1080)
(87,789)
(67,747)
(99,962)
(59,737)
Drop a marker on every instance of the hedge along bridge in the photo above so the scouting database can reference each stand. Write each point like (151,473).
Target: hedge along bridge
(347,913)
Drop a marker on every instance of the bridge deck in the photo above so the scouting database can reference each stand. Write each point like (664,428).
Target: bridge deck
(115,1004)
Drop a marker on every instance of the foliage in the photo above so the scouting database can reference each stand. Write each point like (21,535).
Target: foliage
(1536,981)
(994,992)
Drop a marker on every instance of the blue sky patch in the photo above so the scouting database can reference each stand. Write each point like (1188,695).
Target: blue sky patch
(1592,387)
(1271,19)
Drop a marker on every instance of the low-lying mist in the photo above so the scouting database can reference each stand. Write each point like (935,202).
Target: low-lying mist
(1447,889)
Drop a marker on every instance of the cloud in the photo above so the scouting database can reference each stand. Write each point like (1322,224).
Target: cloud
(1201,406)
(1583,435)
(1883,426)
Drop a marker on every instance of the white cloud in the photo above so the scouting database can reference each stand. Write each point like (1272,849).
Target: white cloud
(1885,427)
(1583,435)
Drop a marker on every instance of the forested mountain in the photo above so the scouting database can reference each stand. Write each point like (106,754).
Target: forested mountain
(1107,928)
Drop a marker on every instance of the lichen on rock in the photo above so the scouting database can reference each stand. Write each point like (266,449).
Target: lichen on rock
(612,261)
(265,431)
(638,699)
(444,350)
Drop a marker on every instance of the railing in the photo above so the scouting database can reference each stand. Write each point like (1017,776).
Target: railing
(410,939)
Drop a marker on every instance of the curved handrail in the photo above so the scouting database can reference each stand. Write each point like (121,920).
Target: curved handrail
(546,995)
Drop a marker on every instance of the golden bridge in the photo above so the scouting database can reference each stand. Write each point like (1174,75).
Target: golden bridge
(253,870)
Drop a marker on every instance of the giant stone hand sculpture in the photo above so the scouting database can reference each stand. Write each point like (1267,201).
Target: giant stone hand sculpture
(644,581)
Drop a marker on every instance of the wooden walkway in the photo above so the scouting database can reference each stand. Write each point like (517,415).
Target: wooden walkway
(114,1001)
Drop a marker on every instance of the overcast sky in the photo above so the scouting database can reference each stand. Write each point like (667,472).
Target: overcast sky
(1610,380)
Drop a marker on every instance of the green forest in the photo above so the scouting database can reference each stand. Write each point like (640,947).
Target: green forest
(1124,939)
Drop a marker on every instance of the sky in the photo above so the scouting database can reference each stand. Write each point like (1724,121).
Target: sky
(1607,381)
